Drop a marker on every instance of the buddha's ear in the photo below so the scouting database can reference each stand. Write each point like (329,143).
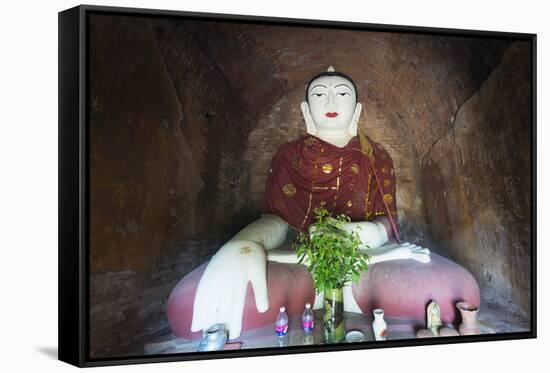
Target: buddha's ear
(352,129)
(310,125)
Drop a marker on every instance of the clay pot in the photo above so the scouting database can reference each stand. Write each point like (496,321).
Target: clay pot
(468,312)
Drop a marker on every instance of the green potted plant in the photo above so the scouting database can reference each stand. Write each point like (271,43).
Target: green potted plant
(333,258)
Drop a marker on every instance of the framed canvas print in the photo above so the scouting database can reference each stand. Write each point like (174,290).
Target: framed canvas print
(233,186)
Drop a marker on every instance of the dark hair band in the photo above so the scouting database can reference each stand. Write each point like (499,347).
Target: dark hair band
(332,73)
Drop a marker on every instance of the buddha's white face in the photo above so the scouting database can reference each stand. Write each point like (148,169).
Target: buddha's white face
(332,103)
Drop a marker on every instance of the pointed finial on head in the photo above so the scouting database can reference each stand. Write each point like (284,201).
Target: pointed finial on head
(331,69)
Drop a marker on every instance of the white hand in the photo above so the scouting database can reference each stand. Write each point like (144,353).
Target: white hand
(404,251)
(222,288)
(412,251)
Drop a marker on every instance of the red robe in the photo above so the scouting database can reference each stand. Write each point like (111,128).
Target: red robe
(309,172)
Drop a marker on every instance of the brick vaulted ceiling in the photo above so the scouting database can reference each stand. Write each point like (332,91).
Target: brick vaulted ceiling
(414,81)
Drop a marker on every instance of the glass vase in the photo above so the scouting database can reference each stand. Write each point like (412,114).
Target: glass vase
(333,316)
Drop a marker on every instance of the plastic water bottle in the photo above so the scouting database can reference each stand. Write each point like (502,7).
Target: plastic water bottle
(281,325)
(307,319)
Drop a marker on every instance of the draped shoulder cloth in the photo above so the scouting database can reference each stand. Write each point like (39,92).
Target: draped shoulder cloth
(309,172)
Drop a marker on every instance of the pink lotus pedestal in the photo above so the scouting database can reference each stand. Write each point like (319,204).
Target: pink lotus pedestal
(402,288)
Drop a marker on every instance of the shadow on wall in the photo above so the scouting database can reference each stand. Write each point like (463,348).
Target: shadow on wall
(476,183)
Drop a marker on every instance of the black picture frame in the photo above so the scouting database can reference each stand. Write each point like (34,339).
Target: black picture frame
(74,202)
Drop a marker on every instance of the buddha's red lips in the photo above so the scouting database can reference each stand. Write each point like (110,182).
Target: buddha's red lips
(331,115)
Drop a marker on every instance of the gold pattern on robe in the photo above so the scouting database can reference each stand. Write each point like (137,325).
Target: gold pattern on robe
(368,213)
(296,164)
(388,198)
(337,182)
(289,190)
(385,169)
(355,168)
(309,141)
(387,183)
(315,165)
(323,203)
(327,168)
(350,203)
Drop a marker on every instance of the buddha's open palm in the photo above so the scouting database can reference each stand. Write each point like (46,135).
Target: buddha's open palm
(405,250)
(411,251)
(222,288)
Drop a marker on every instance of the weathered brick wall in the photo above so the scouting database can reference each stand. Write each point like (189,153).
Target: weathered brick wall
(128,307)
(144,182)
(143,176)
(165,166)
(477,188)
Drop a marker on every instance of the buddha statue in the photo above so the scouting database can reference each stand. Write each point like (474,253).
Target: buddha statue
(337,167)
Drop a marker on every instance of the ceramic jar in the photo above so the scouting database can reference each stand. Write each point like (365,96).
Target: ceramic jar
(214,338)
(468,312)
(379,325)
